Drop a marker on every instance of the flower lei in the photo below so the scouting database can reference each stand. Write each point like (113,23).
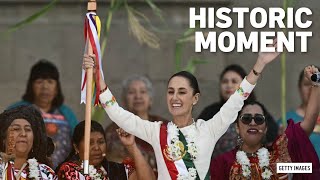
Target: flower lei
(33,169)
(176,150)
(93,173)
(192,175)
(263,156)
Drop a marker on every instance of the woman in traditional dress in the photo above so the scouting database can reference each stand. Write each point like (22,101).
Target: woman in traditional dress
(99,167)
(252,160)
(183,147)
(45,92)
(23,145)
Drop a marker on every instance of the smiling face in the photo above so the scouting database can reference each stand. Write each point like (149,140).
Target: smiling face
(180,97)
(98,148)
(137,97)
(252,134)
(22,134)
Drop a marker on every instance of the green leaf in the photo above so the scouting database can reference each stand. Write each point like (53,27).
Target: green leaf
(31,18)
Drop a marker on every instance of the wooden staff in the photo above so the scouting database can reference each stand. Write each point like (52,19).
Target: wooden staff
(92,6)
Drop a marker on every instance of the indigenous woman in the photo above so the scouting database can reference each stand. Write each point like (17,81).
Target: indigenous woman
(44,91)
(183,146)
(23,145)
(99,167)
(252,160)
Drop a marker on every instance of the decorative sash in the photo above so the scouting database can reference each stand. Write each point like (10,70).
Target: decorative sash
(180,166)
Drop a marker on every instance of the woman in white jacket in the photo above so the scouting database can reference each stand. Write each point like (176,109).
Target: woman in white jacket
(183,147)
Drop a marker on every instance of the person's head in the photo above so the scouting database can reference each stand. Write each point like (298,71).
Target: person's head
(182,93)
(252,123)
(22,132)
(137,94)
(98,146)
(230,79)
(44,85)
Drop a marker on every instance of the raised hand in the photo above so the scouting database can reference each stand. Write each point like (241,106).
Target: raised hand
(89,62)
(309,71)
(267,57)
(126,138)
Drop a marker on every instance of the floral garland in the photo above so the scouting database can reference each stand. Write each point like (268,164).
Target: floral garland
(93,173)
(263,156)
(176,149)
(33,169)
(192,175)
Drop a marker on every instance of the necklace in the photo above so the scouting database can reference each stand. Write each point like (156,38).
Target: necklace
(263,157)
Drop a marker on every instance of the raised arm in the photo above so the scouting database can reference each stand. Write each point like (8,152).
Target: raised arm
(229,111)
(313,105)
(131,123)
(143,171)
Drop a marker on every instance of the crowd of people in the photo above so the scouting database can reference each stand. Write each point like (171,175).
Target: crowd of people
(233,138)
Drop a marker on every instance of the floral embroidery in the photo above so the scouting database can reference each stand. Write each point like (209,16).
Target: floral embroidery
(242,93)
(109,103)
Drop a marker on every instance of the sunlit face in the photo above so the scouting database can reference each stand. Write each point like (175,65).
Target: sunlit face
(137,98)
(251,134)
(229,84)
(180,98)
(45,90)
(22,135)
(98,148)
(304,90)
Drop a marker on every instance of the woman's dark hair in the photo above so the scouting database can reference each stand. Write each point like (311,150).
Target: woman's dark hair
(78,136)
(272,131)
(239,70)
(44,69)
(114,170)
(191,78)
(33,116)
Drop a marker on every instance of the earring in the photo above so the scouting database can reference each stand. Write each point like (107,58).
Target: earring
(239,141)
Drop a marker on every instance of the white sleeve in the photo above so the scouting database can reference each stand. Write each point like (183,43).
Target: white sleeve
(129,122)
(228,113)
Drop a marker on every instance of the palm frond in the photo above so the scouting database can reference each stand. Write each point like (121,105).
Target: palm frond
(143,35)
(155,9)
(31,18)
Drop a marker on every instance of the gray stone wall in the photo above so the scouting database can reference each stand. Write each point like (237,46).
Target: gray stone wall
(58,37)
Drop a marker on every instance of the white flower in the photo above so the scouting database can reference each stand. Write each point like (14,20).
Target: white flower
(246,171)
(266,174)
(33,169)
(192,173)
(263,155)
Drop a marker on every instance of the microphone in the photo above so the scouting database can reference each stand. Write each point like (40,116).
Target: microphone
(104,155)
(316,77)
(260,131)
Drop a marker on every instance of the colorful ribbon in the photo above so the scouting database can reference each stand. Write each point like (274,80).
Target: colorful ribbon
(92,29)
